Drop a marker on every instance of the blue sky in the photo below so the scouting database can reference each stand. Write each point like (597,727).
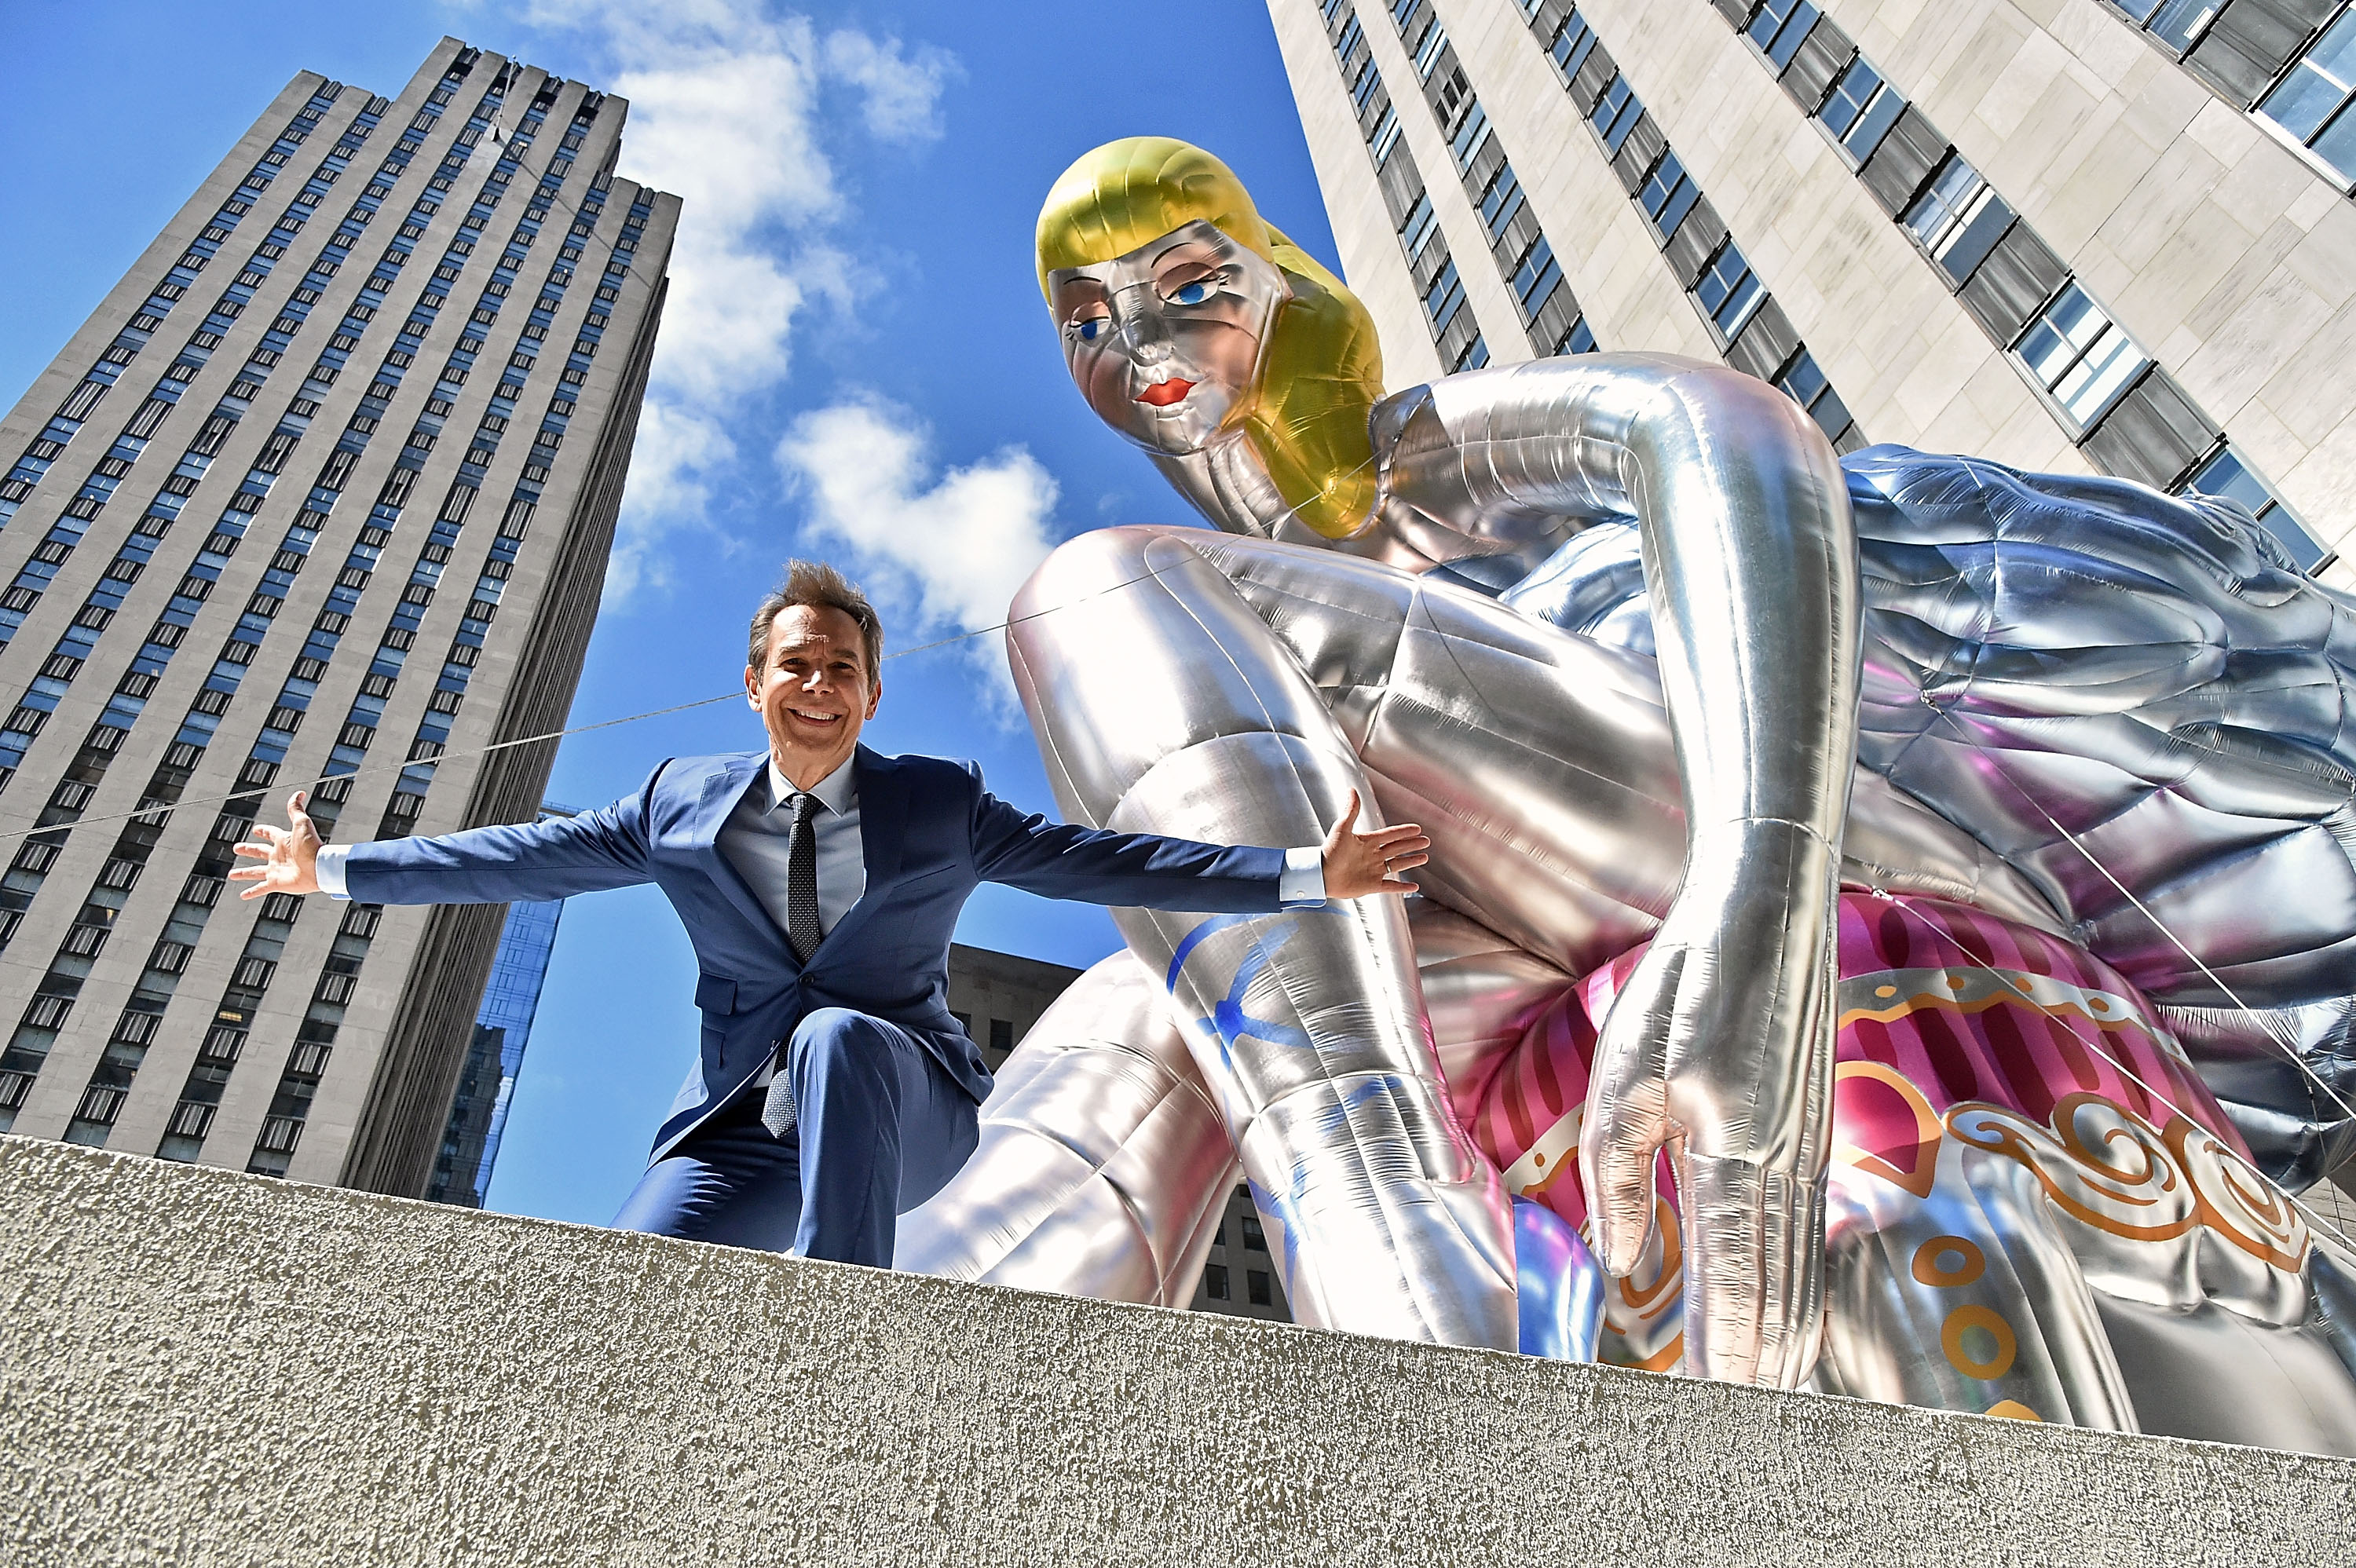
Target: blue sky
(857,365)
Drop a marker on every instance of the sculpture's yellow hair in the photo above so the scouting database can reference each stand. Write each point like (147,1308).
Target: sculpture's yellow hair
(1321,370)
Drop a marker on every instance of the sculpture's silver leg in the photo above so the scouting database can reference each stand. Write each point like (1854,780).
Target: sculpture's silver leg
(1167,705)
(1236,690)
(1103,1162)
(1103,1165)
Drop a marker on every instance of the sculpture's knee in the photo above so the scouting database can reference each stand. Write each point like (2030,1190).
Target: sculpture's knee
(1090,563)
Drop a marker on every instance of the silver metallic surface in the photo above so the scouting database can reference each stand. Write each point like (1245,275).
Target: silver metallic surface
(1292,675)
(1102,1168)
(1561,1283)
(1308,1024)
(2098,712)
(2101,682)
(1103,1163)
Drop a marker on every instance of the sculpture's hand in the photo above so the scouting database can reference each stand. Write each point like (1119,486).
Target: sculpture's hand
(1719,1047)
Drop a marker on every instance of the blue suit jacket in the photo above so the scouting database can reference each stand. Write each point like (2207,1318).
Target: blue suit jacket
(931,834)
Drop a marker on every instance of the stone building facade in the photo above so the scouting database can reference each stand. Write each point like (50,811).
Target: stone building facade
(2070,235)
(322,491)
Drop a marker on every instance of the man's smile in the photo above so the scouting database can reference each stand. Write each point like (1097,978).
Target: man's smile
(809,717)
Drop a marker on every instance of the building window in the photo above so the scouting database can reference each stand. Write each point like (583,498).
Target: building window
(1536,278)
(2312,101)
(1444,298)
(1861,109)
(2227,478)
(1804,381)
(1615,113)
(1578,340)
(1002,1035)
(1469,137)
(1728,291)
(1475,355)
(2079,355)
(1668,195)
(1422,225)
(1571,45)
(1255,1281)
(2181,22)
(1214,1281)
(1958,219)
(1425,56)
(1781,28)
(1255,1239)
(1502,204)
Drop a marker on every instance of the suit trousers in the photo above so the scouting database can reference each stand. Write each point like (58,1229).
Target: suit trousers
(880,1127)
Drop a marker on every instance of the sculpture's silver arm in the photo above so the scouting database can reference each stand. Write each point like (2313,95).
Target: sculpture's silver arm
(1720,1046)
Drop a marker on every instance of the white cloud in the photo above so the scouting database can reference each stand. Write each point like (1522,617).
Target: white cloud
(949,551)
(727,112)
(903,91)
(676,449)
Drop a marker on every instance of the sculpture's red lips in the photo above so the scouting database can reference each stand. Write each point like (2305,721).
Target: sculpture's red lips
(1162,394)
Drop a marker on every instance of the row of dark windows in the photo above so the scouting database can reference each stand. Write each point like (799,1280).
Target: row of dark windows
(1518,246)
(2291,63)
(1750,328)
(1454,330)
(2125,412)
(1002,1035)
(1247,1256)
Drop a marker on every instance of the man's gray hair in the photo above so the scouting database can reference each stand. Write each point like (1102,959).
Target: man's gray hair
(815,583)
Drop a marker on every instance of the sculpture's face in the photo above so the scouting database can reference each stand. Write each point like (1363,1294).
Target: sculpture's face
(1163,341)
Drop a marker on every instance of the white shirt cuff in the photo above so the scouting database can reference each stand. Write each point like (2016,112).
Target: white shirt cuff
(1302,886)
(330,870)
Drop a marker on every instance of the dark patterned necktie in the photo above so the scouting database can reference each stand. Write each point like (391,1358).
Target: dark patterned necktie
(777,1110)
(801,880)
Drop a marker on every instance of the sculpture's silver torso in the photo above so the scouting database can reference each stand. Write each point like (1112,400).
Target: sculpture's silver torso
(2136,702)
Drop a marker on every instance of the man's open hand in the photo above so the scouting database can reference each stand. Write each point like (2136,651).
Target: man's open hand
(289,855)
(1357,864)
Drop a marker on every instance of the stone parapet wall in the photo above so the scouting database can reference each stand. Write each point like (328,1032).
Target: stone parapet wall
(200,1368)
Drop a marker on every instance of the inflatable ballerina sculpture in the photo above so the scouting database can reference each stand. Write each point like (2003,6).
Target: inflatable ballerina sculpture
(1901,913)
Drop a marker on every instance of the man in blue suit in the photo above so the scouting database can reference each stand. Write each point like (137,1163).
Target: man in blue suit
(821,884)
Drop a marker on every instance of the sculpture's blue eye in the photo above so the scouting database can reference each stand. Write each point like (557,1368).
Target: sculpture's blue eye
(1195,293)
(1096,326)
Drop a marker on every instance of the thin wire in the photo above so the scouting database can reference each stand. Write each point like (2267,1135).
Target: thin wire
(157,813)
(2314,1220)
(2143,909)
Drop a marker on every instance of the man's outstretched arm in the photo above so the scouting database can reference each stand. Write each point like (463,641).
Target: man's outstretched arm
(1145,870)
(522,861)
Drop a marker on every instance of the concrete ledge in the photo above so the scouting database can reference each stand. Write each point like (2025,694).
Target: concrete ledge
(198,1367)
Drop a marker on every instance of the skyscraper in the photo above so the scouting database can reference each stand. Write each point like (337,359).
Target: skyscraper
(2105,235)
(502,1031)
(323,489)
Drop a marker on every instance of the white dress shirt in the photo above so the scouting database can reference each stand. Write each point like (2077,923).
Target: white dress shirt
(758,840)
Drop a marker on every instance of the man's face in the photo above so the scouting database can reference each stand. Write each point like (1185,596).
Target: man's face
(1163,341)
(813,690)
